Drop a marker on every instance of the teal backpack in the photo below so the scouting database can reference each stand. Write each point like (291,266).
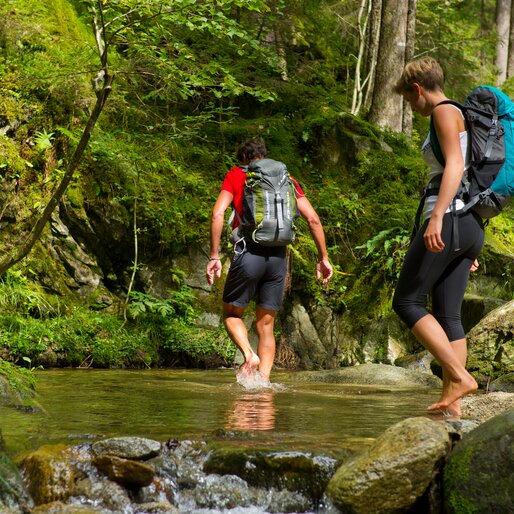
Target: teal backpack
(489,184)
(269,205)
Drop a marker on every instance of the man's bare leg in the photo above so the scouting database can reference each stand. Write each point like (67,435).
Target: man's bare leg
(458,381)
(236,329)
(265,324)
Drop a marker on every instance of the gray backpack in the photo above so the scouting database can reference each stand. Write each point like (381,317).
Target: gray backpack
(269,205)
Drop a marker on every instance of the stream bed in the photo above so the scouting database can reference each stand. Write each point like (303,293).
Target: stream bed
(85,405)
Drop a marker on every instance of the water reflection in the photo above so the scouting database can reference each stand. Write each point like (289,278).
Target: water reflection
(253,411)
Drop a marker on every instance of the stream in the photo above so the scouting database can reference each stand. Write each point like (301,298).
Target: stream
(84,405)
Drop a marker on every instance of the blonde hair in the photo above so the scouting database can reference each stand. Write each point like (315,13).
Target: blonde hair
(425,71)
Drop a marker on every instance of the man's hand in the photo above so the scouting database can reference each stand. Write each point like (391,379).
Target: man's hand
(213,270)
(474,266)
(324,270)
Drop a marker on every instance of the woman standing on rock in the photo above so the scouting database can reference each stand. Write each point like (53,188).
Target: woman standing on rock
(446,246)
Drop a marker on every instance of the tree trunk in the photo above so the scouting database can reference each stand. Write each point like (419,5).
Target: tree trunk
(409,52)
(359,83)
(373,39)
(387,107)
(510,60)
(503,8)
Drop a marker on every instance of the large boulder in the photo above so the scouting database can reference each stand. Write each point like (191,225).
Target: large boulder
(491,343)
(395,471)
(478,476)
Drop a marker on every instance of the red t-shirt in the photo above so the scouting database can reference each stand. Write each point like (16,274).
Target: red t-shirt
(234,183)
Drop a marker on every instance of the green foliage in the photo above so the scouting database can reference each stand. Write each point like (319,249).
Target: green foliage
(22,381)
(170,321)
(193,79)
(180,303)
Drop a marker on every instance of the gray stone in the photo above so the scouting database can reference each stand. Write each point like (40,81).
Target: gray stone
(504,383)
(481,407)
(137,448)
(478,476)
(394,472)
(371,374)
(294,471)
(103,493)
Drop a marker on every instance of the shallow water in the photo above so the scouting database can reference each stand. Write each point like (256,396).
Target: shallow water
(79,405)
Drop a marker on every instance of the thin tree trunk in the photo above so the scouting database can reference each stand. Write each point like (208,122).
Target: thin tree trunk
(387,107)
(510,59)
(372,49)
(503,8)
(18,253)
(359,84)
(409,52)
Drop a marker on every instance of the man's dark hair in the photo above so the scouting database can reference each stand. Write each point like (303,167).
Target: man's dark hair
(250,150)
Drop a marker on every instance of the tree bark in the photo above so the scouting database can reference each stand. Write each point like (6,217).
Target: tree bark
(359,83)
(510,59)
(373,39)
(503,11)
(409,52)
(387,107)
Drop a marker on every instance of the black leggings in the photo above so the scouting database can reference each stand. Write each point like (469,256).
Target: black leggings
(443,274)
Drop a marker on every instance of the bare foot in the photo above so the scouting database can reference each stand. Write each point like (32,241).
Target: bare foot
(454,391)
(250,366)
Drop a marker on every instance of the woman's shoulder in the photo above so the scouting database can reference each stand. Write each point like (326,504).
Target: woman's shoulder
(448,116)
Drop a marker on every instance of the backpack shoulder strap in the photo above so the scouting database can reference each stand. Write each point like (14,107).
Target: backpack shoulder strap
(434,142)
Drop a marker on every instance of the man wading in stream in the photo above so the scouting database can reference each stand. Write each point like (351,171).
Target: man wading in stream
(266,201)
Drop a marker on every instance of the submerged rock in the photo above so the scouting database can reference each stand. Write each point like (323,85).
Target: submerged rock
(394,472)
(478,476)
(63,508)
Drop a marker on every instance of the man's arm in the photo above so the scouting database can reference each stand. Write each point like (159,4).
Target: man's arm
(323,267)
(217,221)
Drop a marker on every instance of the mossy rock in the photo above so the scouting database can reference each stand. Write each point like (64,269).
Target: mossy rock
(478,476)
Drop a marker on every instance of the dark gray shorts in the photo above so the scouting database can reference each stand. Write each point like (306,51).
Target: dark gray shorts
(257,272)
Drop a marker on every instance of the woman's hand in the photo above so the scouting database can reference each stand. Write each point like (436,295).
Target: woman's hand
(432,236)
